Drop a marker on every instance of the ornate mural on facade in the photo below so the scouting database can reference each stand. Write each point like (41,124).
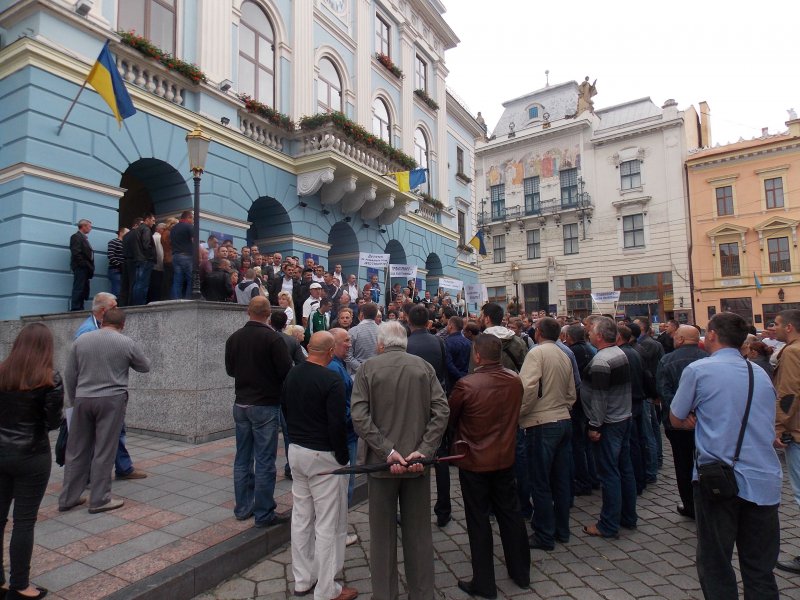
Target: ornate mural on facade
(532,164)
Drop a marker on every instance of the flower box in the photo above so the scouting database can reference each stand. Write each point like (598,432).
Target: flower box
(147,48)
(270,114)
(390,66)
(423,95)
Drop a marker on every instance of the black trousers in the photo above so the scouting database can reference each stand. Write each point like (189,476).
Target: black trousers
(23,479)
(442,508)
(682,442)
(756,532)
(495,491)
(80,288)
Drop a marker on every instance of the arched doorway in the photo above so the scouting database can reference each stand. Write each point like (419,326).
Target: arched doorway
(152,185)
(270,222)
(397,256)
(344,249)
(433,265)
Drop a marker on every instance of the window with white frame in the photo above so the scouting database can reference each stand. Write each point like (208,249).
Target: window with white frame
(773,190)
(421,156)
(420,74)
(381,124)
(497,295)
(729,259)
(154,19)
(779,260)
(497,195)
(329,87)
(569,187)
(570,238)
(460,160)
(382,36)
(256,54)
(633,231)
(724,197)
(534,243)
(630,173)
(499,248)
(532,199)
(462,228)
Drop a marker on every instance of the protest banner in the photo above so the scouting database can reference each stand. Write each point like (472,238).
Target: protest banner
(450,284)
(405,271)
(376,261)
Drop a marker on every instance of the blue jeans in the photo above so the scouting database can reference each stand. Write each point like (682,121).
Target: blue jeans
(616,474)
(181,276)
(123,465)
(522,476)
(651,450)
(142,283)
(115,277)
(549,449)
(256,445)
(793,466)
(352,449)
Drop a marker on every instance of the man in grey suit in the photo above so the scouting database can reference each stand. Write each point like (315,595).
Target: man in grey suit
(400,410)
(364,337)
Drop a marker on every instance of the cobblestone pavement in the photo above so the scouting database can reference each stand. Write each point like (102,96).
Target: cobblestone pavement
(655,561)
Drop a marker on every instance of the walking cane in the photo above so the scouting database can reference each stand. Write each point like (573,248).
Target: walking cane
(461,446)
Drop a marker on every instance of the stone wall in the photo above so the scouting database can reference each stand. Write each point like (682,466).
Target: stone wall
(187,395)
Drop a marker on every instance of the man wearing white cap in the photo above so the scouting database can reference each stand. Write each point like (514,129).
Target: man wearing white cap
(311,303)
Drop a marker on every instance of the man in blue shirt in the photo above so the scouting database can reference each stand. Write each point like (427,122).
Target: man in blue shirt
(712,397)
(341,346)
(458,351)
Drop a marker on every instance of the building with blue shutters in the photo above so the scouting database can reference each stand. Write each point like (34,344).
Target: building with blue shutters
(290,184)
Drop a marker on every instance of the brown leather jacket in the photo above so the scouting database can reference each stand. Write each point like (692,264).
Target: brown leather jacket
(484,412)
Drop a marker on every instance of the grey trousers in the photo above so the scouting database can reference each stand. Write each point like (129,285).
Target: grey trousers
(91,447)
(414,494)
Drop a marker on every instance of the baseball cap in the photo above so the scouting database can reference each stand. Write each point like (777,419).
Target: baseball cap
(315,286)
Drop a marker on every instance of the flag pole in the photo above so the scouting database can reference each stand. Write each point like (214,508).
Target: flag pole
(71,106)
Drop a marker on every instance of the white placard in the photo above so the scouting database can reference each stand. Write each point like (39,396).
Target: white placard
(451,284)
(475,293)
(606,297)
(406,271)
(376,261)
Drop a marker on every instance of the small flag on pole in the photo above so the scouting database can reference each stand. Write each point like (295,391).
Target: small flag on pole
(408,180)
(477,243)
(758,283)
(104,77)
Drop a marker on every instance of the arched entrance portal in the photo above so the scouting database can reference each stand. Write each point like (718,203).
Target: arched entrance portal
(433,264)
(344,249)
(271,227)
(397,256)
(152,185)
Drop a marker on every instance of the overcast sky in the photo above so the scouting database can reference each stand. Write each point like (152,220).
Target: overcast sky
(740,58)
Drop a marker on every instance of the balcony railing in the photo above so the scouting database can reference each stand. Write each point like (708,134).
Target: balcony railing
(499,215)
(429,213)
(262,131)
(147,74)
(331,138)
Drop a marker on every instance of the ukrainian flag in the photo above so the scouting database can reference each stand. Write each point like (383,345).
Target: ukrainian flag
(758,283)
(477,243)
(104,77)
(409,180)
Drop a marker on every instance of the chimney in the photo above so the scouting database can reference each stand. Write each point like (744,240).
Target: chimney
(794,127)
(764,131)
(705,125)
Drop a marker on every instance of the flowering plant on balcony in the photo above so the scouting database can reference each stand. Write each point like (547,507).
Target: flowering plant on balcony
(423,95)
(390,66)
(355,132)
(146,47)
(267,112)
(427,198)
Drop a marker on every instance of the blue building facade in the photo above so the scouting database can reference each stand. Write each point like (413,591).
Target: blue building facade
(319,189)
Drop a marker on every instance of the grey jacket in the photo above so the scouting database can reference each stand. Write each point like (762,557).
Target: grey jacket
(398,403)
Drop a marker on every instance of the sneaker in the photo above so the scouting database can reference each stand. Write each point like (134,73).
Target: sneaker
(792,566)
(132,475)
(351,539)
(110,505)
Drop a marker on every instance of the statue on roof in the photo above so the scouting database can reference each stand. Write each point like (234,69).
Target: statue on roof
(792,114)
(586,91)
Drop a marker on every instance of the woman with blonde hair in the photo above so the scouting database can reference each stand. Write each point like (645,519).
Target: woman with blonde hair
(286,303)
(31,399)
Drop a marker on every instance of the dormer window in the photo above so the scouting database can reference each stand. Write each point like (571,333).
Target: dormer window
(533,112)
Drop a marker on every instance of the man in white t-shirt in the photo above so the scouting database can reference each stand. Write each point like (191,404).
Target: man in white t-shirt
(310,305)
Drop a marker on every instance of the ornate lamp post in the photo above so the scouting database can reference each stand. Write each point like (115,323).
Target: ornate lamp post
(515,277)
(198,142)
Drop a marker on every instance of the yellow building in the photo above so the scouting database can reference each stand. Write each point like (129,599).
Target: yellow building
(744,203)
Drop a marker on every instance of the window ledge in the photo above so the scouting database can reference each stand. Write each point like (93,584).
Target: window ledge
(634,190)
(463,178)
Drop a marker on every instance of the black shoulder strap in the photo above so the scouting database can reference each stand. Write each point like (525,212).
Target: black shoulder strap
(511,356)
(746,412)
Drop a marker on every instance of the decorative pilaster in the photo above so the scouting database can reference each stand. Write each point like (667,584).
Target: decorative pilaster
(303,76)
(214,38)
(441,134)
(364,55)
(407,112)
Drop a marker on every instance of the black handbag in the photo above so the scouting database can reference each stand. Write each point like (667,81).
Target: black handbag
(61,444)
(717,480)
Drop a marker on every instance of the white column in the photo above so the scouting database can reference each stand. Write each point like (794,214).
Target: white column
(441,134)
(363,74)
(214,38)
(303,58)
(407,112)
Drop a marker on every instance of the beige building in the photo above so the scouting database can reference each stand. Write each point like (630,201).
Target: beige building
(745,209)
(587,204)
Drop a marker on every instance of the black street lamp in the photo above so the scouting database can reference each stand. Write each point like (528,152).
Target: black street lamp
(515,272)
(198,142)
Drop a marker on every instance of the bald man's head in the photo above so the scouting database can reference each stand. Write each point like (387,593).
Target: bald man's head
(258,309)
(686,335)
(320,343)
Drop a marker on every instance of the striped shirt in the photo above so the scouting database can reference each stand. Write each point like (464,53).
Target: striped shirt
(99,362)
(116,258)
(606,388)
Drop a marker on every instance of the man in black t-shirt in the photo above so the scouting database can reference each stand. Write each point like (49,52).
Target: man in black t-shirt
(313,402)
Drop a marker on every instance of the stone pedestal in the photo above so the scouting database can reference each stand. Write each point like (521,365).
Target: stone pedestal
(186,395)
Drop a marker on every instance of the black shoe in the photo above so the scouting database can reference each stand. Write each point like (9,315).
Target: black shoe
(277,519)
(684,512)
(583,492)
(536,544)
(562,540)
(523,584)
(629,527)
(287,475)
(15,595)
(466,587)
(441,521)
(792,566)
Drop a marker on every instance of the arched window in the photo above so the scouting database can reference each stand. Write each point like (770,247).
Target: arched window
(381,124)
(256,54)
(329,87)
(154,19)
(421,156)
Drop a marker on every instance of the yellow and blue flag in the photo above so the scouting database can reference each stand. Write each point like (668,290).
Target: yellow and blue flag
(477,243)
(408,180)
(105,78)
(758,283)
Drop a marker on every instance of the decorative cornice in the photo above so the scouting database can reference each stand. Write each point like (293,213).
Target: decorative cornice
(636,131)
(743,154)
(300,240)
(24,169)
(208,216)
(430,226)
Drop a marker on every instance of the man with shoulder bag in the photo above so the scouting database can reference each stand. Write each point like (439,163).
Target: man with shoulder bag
(737,480)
